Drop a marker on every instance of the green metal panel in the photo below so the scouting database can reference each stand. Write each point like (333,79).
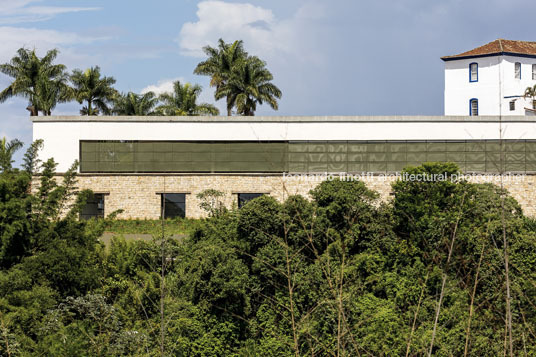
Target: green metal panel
(516,167)
(297,147)
(377,147)
(336,156)
(337,147)
(318,167)
(358,157)
(377,166)
(357,147)
(475,167)
(320,147)
(337,167)
(358,167)
(397,147)
(455,146)
(515,146)
(436,146)
(416,156)
(416,147)
(436,157)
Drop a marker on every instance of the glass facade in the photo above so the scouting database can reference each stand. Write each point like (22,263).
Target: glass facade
(304,157)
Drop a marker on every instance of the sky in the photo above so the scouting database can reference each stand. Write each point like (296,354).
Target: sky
(336,57)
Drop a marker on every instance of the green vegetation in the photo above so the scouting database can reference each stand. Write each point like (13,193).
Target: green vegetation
(39,80)
(445,268)
(183,101)
(97,92)
(175,226)
(242,79)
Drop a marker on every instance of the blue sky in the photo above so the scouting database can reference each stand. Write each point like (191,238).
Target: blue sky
(338,57)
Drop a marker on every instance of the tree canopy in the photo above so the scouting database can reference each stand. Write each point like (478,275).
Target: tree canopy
(340,273)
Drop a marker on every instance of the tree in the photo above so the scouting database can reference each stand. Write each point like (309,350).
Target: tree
(183,101)
(219,64)
(249,84)
(39,80)
(97,91)
(135,104)
(7,149)
(530,92)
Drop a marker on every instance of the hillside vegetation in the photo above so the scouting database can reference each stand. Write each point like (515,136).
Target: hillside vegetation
(342,274)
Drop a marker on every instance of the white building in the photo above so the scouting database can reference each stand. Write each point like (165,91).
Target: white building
(491,79)
(149,166)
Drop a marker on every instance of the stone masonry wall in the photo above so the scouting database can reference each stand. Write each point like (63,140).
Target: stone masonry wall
(138,195)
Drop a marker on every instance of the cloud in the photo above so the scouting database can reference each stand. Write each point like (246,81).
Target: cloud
(262,33)
(18,11)
(13,38)
(162,86)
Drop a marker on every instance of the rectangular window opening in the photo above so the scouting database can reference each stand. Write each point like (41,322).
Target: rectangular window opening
(244,198)
(534,72)
(518,70)
(474,107)
(512,105)
(473,69)
(94,207)
(173,205)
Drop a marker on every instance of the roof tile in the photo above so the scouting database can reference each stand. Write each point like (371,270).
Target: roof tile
(498,46)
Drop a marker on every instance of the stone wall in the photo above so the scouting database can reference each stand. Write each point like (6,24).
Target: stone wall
(139,195)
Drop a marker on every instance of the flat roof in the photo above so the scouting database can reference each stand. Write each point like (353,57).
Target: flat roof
(283,119)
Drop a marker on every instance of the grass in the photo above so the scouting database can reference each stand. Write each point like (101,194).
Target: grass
(176,226)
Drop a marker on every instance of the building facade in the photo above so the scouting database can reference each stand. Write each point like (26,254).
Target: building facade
(491,79)
(149,166)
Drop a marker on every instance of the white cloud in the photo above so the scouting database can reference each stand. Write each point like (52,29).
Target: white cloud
(17,11)
(162,86)
(262,33)
(13,38)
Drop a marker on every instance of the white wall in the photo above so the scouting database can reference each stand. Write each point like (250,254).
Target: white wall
(459,90)
(62,137)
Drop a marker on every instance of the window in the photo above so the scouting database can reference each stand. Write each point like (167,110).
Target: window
(243,198)
(512,105)
(534,72)
(473,107)
(534,104)
(473,72)
(94,207)
(518,70)
(173,205)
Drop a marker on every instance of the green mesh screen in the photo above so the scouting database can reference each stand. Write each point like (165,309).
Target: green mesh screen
(303,156)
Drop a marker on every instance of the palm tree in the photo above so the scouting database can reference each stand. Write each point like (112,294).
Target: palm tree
(7,149)
(135,104)
(43,83)
(97,91)
(220,62)
(183,101)
(249,85)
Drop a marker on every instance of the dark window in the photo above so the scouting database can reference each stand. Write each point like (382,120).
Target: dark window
(534,72)
(243,198)
(173,205)
(512,105)
(517,70)
(534,104)
(94,207)
(473,72)
(473,107)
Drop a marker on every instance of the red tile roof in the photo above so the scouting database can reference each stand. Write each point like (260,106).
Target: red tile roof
(498,47)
